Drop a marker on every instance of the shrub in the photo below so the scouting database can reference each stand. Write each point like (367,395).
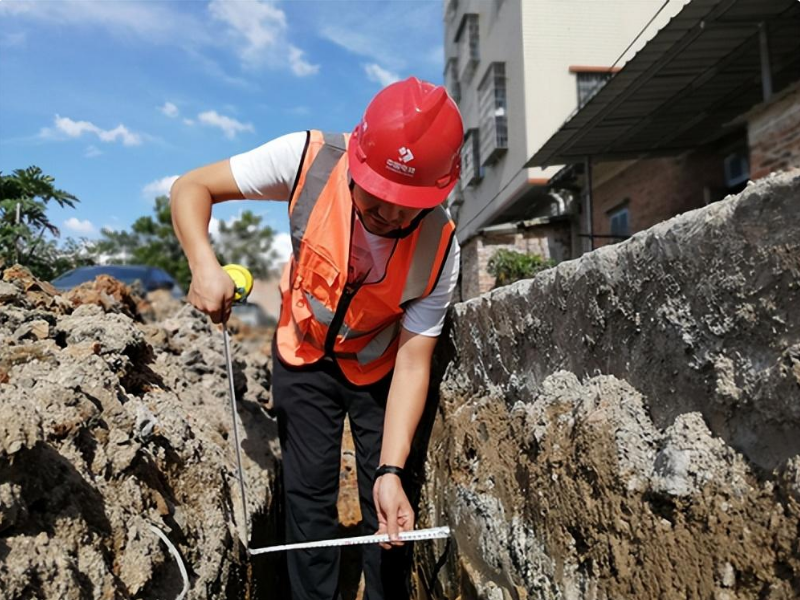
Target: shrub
(508,266)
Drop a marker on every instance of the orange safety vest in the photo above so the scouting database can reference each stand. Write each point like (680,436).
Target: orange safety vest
(320,314)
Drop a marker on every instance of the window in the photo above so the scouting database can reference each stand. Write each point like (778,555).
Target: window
(620,222)
(451,78)
(451,10)
(737,168)
(492,113)
(468,42)
(589,83)
(471,171)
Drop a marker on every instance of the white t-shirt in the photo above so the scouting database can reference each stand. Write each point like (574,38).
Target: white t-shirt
(269,172)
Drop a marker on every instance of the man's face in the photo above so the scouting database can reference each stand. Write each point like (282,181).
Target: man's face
(380,217)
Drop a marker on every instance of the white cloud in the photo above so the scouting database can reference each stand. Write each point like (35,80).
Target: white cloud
(213,224)
(76,129)
(282,244)
(213,228)
(399,35)
(257,30)
(230,127)
(189,122)
(170,110)
(92,152)
(15,8)
(149,21)
(159,187)
(13,39)
(300,111)
(380,75)
(79,226)
(300,66)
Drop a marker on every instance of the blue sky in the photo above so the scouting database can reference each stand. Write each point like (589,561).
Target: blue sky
(115,98)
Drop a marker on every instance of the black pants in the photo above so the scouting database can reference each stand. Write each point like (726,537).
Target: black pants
(310,404)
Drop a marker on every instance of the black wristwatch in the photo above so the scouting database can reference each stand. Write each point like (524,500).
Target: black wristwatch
(389,470)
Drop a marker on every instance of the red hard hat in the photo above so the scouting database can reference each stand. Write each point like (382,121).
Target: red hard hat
(406,149)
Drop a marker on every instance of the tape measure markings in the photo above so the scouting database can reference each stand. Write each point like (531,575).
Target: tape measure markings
(405,536)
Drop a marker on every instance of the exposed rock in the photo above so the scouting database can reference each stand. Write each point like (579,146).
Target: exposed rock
(102,435)
(626,425)
(108,293)
(621,426)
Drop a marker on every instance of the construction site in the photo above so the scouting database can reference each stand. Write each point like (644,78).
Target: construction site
(621,426)
(622,422)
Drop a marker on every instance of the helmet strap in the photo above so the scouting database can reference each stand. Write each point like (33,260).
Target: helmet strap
(396,233)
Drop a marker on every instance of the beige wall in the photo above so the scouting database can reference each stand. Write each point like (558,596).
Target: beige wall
(538,40)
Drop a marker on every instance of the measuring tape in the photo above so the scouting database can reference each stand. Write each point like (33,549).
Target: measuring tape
(242,281)
(243,284)
(405,536)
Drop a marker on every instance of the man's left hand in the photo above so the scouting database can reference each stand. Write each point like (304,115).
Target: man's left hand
(393,508)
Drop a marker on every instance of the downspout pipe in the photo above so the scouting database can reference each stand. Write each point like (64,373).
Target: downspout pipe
(589,214)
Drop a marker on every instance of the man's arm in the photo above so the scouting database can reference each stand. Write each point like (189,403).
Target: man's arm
(404,407)
(191,198)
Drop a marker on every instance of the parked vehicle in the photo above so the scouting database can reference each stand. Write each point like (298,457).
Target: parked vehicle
(150,278)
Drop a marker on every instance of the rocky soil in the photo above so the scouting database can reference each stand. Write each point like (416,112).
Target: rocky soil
(627,425)
(114,419)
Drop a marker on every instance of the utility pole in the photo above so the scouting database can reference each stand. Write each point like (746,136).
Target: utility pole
(16,236)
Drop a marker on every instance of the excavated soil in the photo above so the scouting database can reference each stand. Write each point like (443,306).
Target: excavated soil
(626,425)
(114,419)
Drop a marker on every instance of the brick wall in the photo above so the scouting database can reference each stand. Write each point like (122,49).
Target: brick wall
(550,240)
(774,134)
(658,189)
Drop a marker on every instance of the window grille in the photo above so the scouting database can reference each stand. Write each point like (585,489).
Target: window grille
(589,84)
(468,42)
(471,171)
(492,105)
(451,10)
(451,79)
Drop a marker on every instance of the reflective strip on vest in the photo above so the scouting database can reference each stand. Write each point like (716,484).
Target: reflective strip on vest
(316,179)
(430,235)
(324,316)
(378,345)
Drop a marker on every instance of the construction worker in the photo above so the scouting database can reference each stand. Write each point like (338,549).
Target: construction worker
(373,267)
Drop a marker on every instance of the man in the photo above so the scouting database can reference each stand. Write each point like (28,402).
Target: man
(364,295)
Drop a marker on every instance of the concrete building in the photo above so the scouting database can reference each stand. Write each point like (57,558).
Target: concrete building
(518,69)
(710,103)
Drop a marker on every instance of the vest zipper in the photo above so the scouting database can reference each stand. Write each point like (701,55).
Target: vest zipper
(338,317)
(347,294)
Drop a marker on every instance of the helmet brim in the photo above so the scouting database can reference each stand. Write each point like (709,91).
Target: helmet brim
(411,196)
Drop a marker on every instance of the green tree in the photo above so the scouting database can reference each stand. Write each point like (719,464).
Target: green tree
(151,241)
(24,199)
(508,266)
(246,242)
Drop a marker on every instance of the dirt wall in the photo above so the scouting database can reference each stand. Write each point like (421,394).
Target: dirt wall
(626,425)
(114,420)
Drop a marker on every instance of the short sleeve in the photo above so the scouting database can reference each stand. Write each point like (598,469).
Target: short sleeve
(269,171)
(426,315)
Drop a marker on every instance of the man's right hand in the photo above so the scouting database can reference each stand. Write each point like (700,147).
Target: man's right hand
(211,292)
